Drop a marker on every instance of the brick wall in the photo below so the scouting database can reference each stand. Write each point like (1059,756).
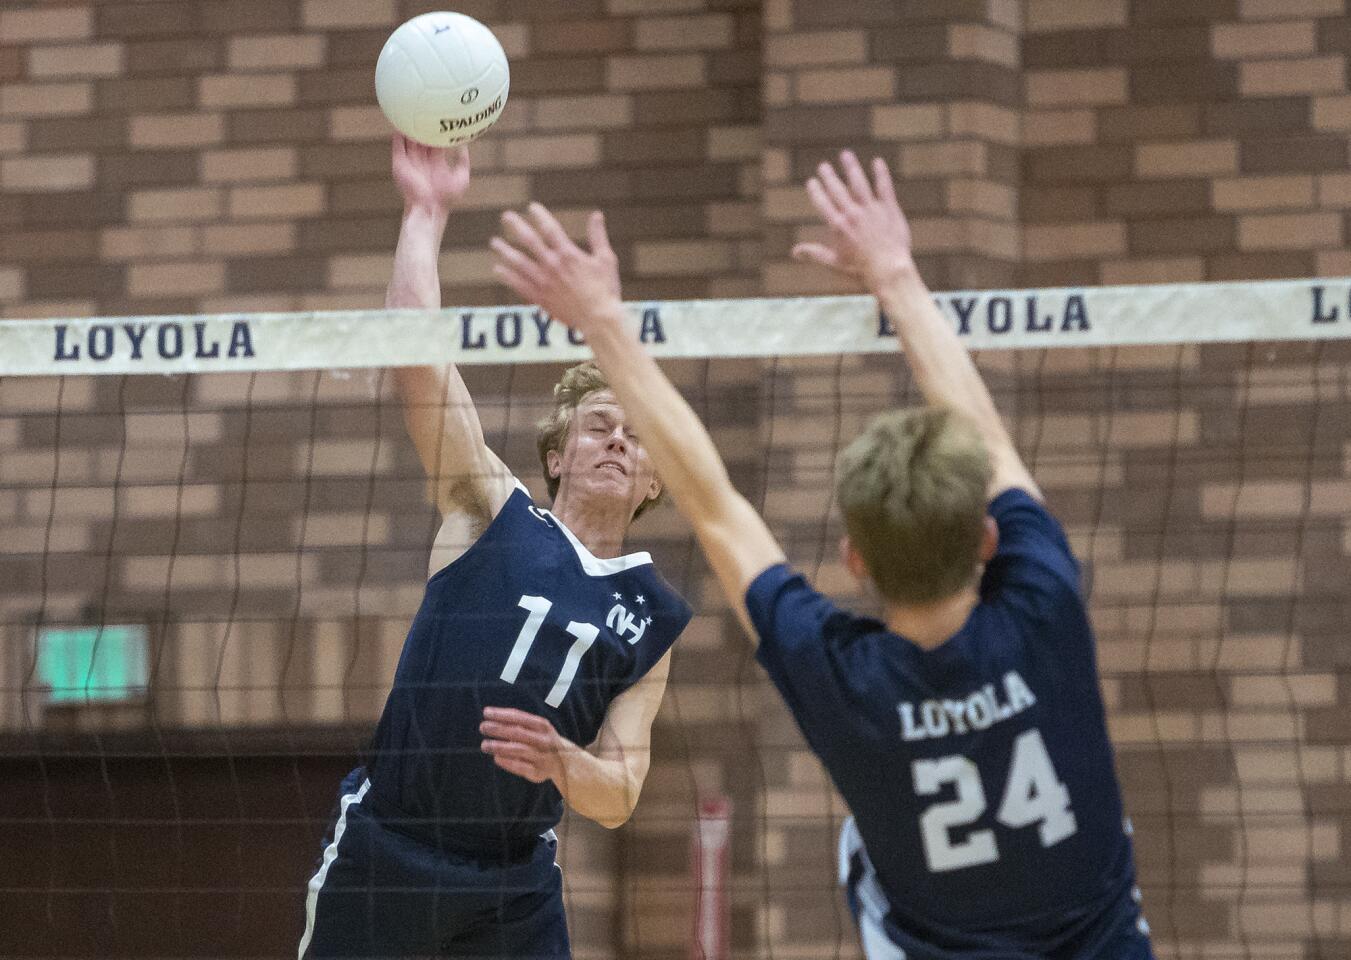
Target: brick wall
(932,87)
(1202,141)
(227,155)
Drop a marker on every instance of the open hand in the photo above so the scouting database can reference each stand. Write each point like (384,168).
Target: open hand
(524,744)
(544,266)
(869,235)
(432,177)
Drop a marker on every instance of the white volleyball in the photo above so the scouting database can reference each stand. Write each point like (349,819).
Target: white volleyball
(442,79)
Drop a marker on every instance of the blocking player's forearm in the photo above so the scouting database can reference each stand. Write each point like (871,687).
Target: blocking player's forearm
(735,539)
(943,369)
(686,459)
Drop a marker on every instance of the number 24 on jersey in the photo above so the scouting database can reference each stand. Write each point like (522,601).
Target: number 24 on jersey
(1033,795)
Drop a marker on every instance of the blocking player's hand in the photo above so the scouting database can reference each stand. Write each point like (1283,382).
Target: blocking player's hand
(543,264)
(524,744)
(432,177)
(869,235)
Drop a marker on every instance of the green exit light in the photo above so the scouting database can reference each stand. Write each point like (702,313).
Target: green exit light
(84,664)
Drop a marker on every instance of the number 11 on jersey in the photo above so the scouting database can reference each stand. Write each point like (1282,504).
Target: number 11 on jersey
(537,608)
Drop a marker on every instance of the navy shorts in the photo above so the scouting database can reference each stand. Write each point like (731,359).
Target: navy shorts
(381,893)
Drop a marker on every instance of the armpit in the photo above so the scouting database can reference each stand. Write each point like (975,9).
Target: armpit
(459,531)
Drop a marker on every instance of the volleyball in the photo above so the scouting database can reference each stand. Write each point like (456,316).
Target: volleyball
(442,79)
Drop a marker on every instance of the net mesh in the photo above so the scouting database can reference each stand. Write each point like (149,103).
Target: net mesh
(267,534)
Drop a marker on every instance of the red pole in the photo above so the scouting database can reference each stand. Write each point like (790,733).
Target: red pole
(710,868)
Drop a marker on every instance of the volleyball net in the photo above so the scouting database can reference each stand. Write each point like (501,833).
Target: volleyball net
(216,532)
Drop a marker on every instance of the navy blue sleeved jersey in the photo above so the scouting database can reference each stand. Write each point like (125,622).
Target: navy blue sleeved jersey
(979,773)
(527,617)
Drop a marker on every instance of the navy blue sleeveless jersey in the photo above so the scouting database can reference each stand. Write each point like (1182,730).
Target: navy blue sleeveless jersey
(987,815)
(527,617)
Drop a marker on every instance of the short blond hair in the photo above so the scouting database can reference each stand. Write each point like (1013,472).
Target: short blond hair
(912,488)
(576,385)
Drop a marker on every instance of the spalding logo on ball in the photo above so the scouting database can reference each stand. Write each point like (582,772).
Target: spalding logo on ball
(442,79)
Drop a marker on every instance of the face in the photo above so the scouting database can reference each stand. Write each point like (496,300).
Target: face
(602,457)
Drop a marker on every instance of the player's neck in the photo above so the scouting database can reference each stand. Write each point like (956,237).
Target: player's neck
(929,625)
(599,525)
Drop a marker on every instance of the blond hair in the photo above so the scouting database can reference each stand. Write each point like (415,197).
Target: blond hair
(576,385)
(912,488)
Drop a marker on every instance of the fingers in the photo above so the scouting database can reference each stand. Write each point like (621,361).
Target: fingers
(518,726)
(816,253)
(403,154)
(418,151)
(549,228)
(528,292)
(511,750)
(519,742)
(517,270)
(521,769)
(596,235)
(823,203)
(515,261)
(516,740)
(858,180)
(886,190)
(519,759)
(525,235)
(834,187)
(576,284)
(520,717)
(855,188)
(459,159)
(526,285)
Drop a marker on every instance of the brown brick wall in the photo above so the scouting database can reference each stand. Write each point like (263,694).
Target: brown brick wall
(214,155)
(933,88)
(1183,141)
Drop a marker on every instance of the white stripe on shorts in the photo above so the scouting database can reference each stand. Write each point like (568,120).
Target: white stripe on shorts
(872,901)
(330,854)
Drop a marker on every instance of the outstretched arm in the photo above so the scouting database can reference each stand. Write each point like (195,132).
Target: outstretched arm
(870,240)
(601,784)
(465,476)
(582,290)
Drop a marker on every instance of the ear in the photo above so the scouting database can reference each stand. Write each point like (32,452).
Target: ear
(554,460)
(654,488)
(853,560)
(989,540)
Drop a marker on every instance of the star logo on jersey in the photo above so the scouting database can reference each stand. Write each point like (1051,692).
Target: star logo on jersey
(640,598)
(619,596)
(625,624)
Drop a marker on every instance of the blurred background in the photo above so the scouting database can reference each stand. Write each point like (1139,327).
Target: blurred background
(266,535)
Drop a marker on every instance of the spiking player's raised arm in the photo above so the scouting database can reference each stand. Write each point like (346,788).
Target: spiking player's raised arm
(530,676)
(468,482)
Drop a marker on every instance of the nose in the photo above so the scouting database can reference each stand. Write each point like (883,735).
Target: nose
(616,441)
